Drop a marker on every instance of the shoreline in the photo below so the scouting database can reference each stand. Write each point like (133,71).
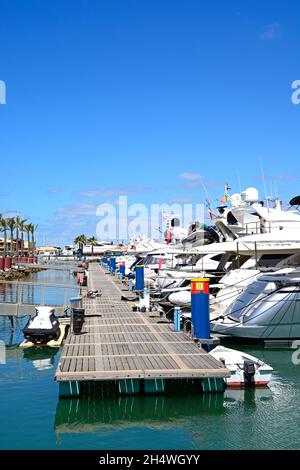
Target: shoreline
(17,273)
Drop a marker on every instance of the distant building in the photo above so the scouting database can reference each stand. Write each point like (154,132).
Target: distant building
(8,249)
(68,250)
(48,250)
(95,249)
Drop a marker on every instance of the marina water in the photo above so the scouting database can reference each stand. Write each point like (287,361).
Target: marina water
(32,416)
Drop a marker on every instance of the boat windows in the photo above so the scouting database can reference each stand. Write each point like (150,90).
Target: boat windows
(271,260)
(231,219)
(291,260)
(238,261)
(151,260)
(217,257)
(249,298)
(175,222)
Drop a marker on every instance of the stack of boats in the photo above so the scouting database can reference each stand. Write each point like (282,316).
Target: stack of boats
(251,255)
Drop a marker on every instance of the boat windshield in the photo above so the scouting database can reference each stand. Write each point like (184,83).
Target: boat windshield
(249,297)
(151,259)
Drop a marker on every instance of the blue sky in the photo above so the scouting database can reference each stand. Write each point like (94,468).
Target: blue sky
(140,98)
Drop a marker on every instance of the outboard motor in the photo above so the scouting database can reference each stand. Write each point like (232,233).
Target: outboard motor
(249,371)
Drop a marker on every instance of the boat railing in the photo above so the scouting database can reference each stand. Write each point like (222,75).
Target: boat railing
(252,228)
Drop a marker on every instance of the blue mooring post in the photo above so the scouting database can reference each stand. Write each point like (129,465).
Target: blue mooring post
(139,278)
(122,271)
(130,277)
(177,315)
(113,265)
(200,308)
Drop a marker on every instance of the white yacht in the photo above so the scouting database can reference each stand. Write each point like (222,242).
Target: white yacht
(268,309)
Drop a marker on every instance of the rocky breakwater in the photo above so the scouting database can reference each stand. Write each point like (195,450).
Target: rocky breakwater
(16,273)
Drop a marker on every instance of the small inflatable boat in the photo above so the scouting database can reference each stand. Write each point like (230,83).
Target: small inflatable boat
(43,327)
(245,369)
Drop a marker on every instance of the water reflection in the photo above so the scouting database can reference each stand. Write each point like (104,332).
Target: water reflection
(41,358)
(54,294)
(87,414)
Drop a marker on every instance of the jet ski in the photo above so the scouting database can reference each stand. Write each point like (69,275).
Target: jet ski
(43,327)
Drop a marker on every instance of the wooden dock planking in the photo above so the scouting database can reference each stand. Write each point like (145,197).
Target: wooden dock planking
(117,343)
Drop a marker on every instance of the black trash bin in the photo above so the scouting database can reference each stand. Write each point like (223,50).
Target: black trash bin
(77,320)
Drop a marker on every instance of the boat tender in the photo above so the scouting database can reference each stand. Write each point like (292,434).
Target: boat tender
(245,369)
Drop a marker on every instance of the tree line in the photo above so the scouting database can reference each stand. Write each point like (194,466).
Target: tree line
(12,228)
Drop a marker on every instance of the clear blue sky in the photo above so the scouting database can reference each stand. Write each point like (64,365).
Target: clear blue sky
(131,94)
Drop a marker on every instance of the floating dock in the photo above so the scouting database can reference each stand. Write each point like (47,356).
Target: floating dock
(136,350)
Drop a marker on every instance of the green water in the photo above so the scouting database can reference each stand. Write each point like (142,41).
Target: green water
(32,417)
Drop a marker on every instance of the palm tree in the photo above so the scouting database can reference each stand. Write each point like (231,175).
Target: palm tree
(93,242)
(11,223)
(80,240)
(27,228)
(22,229)
(18,221)
(3,228)
(33,230)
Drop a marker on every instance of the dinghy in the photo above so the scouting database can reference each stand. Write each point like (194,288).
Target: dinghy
(245,369)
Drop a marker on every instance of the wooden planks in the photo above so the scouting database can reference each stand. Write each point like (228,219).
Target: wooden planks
(117,343)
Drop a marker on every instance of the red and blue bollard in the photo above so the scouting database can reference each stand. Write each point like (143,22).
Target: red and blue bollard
(200,307)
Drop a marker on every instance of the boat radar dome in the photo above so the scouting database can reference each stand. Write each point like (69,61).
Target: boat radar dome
(250,195)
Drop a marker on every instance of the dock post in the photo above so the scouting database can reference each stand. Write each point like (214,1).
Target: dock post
(177,316)
(130,277)
(122,272)
(69,389)
(139,278)
(113,265)
(200,308)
